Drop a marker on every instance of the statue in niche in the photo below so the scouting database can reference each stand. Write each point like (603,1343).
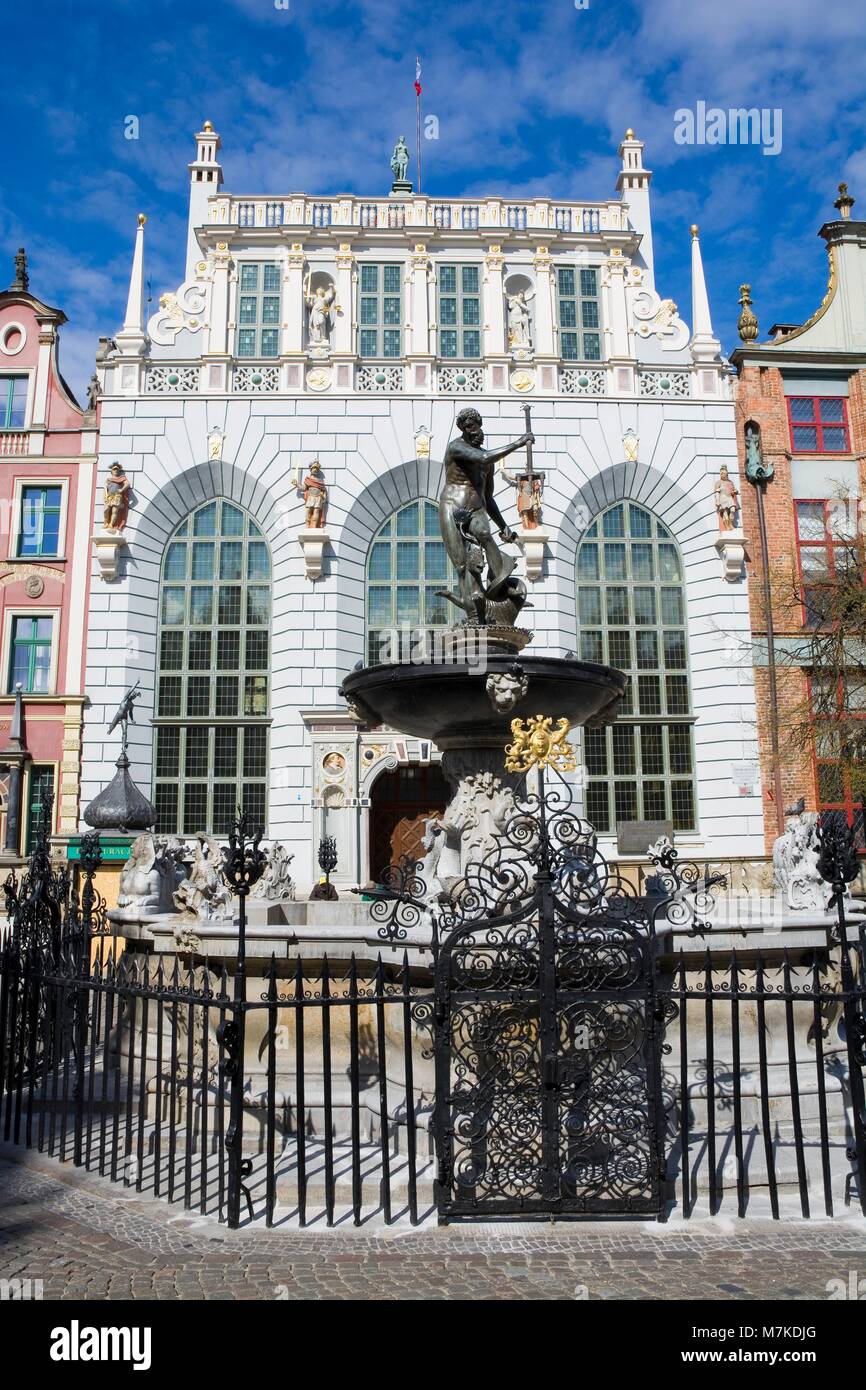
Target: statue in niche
(519,327)
(727,500)
(400,160)
(466,508)
(529,490)
(116,499)
(315,497)
(319,322)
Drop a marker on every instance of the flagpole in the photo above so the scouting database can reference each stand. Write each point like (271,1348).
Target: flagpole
(418,132)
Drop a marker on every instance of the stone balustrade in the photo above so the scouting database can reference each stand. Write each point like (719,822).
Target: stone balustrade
(454,214)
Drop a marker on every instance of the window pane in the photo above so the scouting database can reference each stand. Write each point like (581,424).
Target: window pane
(228,651)
(802,408)
(589,607)
(257,606)
(810,521)
(591,647)
(409,520)
(256,695)
(204,521)
(172,606)
(806,439)
(197,748)
(227,692)
(175,561)
(645,606)
(588,282)
(202,560)
(199,651)
(470,279)
(232,521)
(587,564)
(201,607)
(613,522)
(832,409)
(258,566)
(171,651)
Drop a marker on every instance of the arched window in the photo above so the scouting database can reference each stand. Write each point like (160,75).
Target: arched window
(406,565)
(213,663)
(631,614)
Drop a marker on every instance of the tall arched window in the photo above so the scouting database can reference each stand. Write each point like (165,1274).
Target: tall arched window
(406,565)
(631,613)
(213,664)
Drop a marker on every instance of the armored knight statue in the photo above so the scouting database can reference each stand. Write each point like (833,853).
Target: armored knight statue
(115,499)
(466,509)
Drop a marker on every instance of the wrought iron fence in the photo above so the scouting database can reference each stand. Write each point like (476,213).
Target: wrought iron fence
(309,1093)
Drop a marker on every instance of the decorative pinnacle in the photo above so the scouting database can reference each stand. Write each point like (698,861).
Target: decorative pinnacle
(142,218)
(844,202)
(694,229)
(629,135)
(208,127)
(747,324)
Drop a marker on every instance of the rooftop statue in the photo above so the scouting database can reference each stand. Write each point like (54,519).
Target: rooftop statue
(400,160)
(466,509)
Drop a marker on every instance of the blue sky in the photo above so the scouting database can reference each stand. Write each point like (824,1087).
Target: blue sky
(530,97)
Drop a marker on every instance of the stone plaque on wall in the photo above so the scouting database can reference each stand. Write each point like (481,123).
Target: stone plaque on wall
(636,836)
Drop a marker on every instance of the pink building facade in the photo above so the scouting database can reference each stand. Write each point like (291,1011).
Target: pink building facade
(47,479)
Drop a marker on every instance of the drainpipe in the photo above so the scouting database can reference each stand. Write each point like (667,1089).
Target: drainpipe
(759,475)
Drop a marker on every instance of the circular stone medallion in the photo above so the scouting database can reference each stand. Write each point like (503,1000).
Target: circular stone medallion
(34,585)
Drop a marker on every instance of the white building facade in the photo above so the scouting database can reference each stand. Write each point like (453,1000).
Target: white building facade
(240,623)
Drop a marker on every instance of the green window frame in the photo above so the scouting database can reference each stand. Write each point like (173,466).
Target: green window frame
(258,310)
(40,785)
(39,520)
(32,636)
(213,673)
(631,614)
(380,311)
(406,565)
(459,311)
(578,313)
(13,402)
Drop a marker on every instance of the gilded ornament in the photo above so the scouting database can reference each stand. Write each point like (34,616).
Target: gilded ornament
(537,744)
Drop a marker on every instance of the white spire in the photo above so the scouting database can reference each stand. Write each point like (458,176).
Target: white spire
(704,345)
(131,336)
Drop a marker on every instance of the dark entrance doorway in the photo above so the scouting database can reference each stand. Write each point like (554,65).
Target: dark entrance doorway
(401,803)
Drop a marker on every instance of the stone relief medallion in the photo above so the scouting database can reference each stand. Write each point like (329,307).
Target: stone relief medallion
(319,379)
(333,764)
(34,585)
(522,381)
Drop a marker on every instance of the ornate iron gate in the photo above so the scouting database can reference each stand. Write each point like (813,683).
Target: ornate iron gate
(548,1030)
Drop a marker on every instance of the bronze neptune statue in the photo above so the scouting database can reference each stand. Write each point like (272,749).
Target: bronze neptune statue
(466,509)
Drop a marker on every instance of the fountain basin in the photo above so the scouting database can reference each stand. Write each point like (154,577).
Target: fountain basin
(450,704)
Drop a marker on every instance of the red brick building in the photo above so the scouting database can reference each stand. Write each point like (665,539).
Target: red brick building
(801,413)
(47,480)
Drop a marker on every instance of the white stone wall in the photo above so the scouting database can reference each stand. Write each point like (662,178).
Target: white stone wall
(366,446)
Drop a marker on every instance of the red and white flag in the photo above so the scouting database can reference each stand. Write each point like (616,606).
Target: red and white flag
(418,77)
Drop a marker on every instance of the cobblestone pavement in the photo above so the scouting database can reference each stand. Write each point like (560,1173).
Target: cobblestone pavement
(87,1240)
